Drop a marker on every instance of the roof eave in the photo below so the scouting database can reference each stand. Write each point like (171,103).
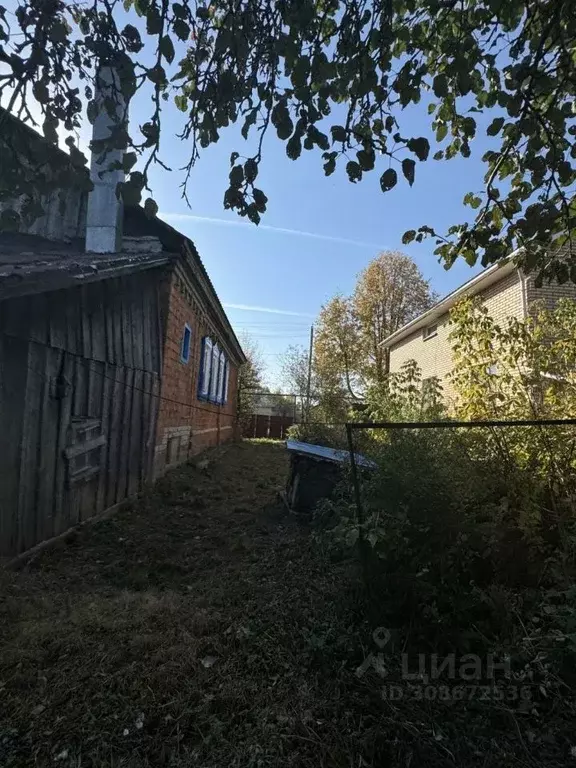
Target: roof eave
(473,286)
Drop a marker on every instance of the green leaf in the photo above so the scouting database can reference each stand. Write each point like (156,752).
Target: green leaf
(329,166)
(233,157)
(338,133)
(440,86)
(260,199)
(167,49)
(420,147)
(181,102)
(366,158)
(250,170)
(495,126)
(129,161)
(294,147)
(354,171)
(150,208)
(408,169)
(388,180)
(153,22)
(408,236)
(236,176)
(441,132)
(181,29)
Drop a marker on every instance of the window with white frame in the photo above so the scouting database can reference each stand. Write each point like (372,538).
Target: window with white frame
(221,372)
(430,331)
(214,374)
(205,369)
(226,377)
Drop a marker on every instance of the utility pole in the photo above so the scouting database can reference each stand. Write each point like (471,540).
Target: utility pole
(309,373)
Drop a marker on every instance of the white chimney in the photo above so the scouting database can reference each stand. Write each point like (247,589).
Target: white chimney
(105,210)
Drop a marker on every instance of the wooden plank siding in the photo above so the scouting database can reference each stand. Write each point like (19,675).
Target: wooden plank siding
(79,387)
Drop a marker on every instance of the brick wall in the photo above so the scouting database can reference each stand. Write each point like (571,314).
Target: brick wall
(189,425)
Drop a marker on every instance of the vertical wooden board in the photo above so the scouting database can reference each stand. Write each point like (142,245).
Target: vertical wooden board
(108,384)
(127,344)
(57,319)
(118,324)
(98,321)
(85,321)
(29,449)
(125,436)
(148,352)
(47,460)
(73,328)
(108,310)
(136,447)
(13,365)
(37,308)
(66,387)
(17,319)
(114,433)
(146,428)
(136,322)
(152,419)
(79,389)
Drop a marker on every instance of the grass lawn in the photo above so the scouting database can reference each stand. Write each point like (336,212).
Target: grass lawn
(187,630)
(205,626)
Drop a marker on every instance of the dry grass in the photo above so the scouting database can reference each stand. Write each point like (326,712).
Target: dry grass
(205,627)
(185,631)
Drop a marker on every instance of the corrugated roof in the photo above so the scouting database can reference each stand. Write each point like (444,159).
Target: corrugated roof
(322,453)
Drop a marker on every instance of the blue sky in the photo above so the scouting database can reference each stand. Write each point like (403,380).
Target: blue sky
(318,232)
(316,236)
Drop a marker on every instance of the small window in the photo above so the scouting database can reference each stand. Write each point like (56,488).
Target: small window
(430,331)
(186,339)
(205,369)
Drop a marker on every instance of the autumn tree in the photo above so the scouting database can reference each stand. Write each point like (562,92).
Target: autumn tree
(338,77)
(250,378)
(348,353)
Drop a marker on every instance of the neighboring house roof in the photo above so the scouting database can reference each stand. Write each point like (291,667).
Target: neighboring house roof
(472,287)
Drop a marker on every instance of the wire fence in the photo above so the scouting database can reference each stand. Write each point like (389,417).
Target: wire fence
(536,455)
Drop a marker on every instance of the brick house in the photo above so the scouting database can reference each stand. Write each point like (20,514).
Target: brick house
(505,291)
(201,358)
(117,359)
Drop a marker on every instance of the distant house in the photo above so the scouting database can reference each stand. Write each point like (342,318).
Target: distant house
(505,291)
(115,362)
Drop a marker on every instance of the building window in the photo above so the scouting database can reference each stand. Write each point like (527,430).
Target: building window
(221,372)
(186,339)
(214,374)
(205,368)
(226,377)
(430,331)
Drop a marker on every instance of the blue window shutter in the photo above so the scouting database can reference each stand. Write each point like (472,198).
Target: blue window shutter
(205,367)
(185,348)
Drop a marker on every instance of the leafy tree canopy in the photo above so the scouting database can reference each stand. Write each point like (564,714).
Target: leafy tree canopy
(336,77)
(348,352)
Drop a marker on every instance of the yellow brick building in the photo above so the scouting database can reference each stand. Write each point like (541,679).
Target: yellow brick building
(505,291)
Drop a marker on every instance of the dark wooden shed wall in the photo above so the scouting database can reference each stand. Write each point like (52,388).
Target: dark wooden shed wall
(78,368)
